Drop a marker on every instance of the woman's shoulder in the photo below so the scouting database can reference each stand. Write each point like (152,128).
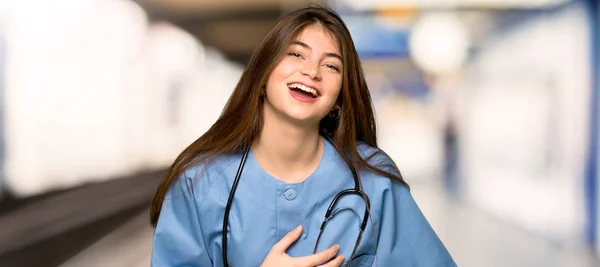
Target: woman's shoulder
(379,159)
(200,175)
(376,157)
(210,168)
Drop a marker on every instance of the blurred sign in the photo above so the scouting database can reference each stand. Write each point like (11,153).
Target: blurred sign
(377,38)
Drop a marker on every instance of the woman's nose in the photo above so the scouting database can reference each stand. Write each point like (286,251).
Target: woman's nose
(313,73)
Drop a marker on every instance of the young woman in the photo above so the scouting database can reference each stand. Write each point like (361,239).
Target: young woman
(262,186)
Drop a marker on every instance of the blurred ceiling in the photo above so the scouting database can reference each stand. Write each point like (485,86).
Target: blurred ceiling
(188,8)
(441,4)
(234,27)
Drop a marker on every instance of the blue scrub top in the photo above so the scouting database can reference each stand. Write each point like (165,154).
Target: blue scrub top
(264,209)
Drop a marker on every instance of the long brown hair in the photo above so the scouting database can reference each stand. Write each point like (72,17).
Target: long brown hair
(241,120)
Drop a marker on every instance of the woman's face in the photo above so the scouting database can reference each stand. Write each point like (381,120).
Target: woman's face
(305,84)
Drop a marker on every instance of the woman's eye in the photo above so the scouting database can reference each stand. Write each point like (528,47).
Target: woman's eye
(294,54)
(333,67)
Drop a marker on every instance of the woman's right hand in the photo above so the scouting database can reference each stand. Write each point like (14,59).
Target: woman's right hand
(278,257)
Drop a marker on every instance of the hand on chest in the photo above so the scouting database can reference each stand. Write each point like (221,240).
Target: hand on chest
(262,215)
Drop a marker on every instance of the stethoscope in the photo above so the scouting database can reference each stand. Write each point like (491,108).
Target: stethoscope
(328,215)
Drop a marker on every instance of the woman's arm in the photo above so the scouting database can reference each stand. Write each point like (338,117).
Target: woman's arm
(178,238)
(406,237)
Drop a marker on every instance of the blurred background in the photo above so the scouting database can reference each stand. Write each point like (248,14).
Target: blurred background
(489,107)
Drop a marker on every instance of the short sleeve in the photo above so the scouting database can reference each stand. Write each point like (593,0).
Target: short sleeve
(406,237)
(178,239)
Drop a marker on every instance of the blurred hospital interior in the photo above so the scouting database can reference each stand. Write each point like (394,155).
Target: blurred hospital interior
(488,107)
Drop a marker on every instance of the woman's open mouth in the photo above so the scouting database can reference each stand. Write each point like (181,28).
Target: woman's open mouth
(303,93)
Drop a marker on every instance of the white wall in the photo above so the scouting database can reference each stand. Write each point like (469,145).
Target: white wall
(524,128)
(93,92)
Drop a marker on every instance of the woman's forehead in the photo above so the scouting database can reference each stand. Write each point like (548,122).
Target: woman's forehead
(318,36)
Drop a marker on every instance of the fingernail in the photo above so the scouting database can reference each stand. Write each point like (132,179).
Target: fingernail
(298,228)
(337,246)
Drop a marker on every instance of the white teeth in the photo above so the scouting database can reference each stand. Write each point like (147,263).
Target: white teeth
(304,88)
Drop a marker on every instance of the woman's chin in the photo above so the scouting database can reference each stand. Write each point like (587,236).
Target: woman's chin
(304,120)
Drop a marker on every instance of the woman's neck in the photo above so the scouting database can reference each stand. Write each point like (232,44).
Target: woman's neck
(286,151)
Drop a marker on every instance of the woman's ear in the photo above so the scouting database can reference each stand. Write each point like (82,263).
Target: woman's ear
(334,113)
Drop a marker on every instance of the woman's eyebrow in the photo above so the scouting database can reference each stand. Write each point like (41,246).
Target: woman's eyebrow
(310,48)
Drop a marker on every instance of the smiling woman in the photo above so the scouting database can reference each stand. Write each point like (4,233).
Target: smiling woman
(279,179)
(311,70)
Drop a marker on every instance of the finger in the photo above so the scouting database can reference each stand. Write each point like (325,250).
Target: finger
(287,240)
(335,262)
(321,257)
